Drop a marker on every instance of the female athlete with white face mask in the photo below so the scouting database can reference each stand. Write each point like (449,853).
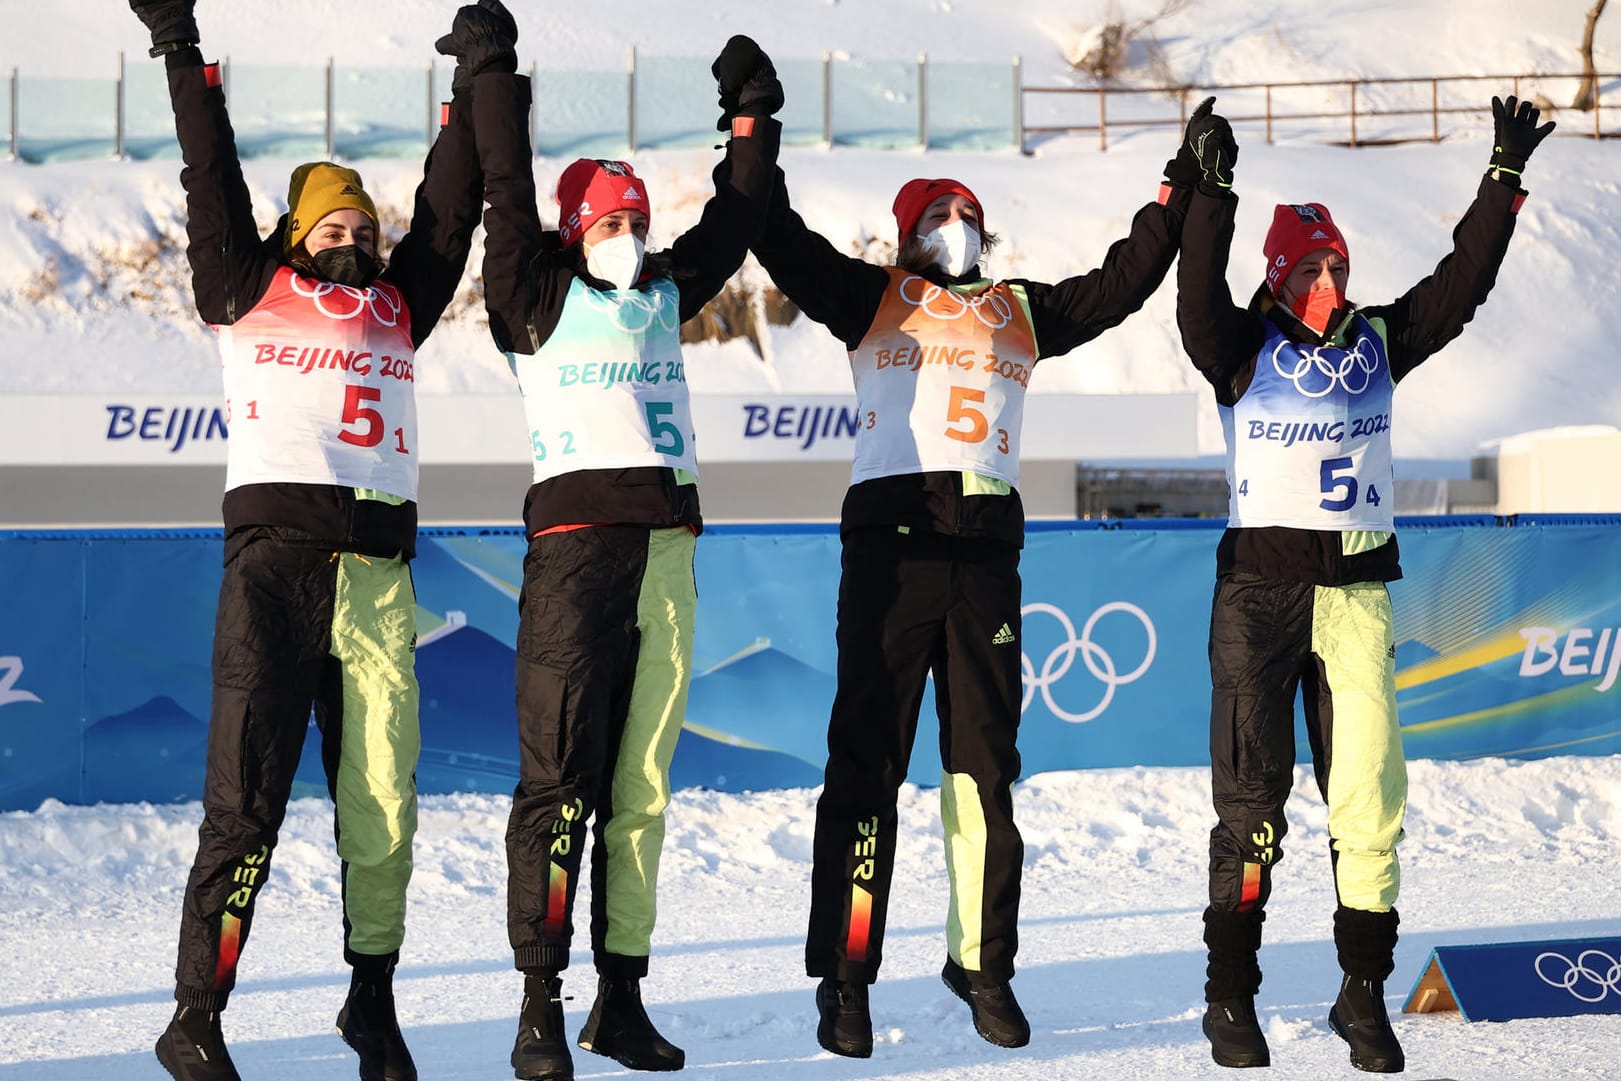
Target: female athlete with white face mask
(591,325)
(932,526)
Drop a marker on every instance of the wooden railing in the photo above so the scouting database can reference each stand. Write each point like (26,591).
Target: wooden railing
(1149,107)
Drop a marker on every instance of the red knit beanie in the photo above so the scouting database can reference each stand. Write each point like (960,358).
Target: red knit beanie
(916,195)
(1298,229)
(592,187)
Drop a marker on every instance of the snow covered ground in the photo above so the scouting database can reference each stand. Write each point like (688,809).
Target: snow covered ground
(1111,964)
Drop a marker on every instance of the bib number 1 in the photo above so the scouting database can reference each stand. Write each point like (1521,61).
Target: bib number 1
(364,426)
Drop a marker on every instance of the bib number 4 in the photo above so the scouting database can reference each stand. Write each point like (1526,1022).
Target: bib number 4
(1340,488)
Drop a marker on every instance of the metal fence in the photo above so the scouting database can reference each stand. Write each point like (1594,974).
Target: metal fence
(662,102)
(1353,112)
(656,102)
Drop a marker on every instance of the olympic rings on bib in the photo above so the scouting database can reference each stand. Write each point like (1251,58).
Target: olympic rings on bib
(1317,371)
(635,311)
(990,308)
(344,302)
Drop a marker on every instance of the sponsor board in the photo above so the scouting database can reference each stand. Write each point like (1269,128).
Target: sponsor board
(144,429)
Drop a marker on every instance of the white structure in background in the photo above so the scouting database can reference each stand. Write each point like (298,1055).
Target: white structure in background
(1571,470)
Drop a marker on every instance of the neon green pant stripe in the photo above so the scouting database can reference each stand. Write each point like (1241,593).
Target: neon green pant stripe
(963,819)
(1353,632)
(374,640)
(658,703)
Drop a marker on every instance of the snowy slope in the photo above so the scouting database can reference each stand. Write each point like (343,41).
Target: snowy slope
(1111,964)
(92,273)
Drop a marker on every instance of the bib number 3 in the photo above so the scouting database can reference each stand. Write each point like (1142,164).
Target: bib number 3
(961,409)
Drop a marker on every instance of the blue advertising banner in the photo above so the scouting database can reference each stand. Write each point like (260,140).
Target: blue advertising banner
(1508,643)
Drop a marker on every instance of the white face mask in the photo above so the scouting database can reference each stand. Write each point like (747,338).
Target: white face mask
(617,261)
(954,247)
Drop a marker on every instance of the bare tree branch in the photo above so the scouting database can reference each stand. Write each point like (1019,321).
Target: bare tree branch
(1587,96)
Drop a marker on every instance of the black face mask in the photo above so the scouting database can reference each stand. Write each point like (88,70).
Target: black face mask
(346,265)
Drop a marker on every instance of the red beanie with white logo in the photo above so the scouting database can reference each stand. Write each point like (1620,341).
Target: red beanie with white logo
(1298,229)
(592,187)
(916,195)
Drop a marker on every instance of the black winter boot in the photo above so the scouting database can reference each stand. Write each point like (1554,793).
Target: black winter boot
(997,1017)
(193,1049)
(367,1024)
(1234,1033)
(540,1052)
(845,1026)
(1232,978)
(1359,1017)
(1366,942)
(620,1028)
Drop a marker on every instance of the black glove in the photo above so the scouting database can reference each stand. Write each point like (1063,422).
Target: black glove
(1208,152)
(483,37)
(172,23)
(1517,134)
(746,81)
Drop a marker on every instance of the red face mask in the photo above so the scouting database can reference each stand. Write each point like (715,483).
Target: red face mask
(1316,307)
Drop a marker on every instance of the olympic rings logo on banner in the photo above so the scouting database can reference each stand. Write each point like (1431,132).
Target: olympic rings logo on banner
(1579,977)
(1354,367)
(1097,660)
(343,302)
(634,311)
(991,309)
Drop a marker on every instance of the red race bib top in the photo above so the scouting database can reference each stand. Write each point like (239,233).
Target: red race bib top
(319,388)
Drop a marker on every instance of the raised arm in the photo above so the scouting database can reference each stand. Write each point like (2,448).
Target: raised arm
(1220,337)
(1433,312)
(231,265)
(703,257)
(1078,309)
(428,262)
(512,232)
(837,290)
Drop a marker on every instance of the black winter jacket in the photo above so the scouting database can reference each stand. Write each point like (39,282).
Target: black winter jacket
(1224,341)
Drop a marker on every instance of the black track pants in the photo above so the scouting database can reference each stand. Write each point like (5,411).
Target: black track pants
(1269,638)
(301,625)
(909,604)
(604,661)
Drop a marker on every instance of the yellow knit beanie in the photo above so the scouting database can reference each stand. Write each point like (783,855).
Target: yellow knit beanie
(317,189)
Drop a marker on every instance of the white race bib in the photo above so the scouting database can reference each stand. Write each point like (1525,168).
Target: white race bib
(608,390)
(1308,445)
(940,381)
(319,388)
